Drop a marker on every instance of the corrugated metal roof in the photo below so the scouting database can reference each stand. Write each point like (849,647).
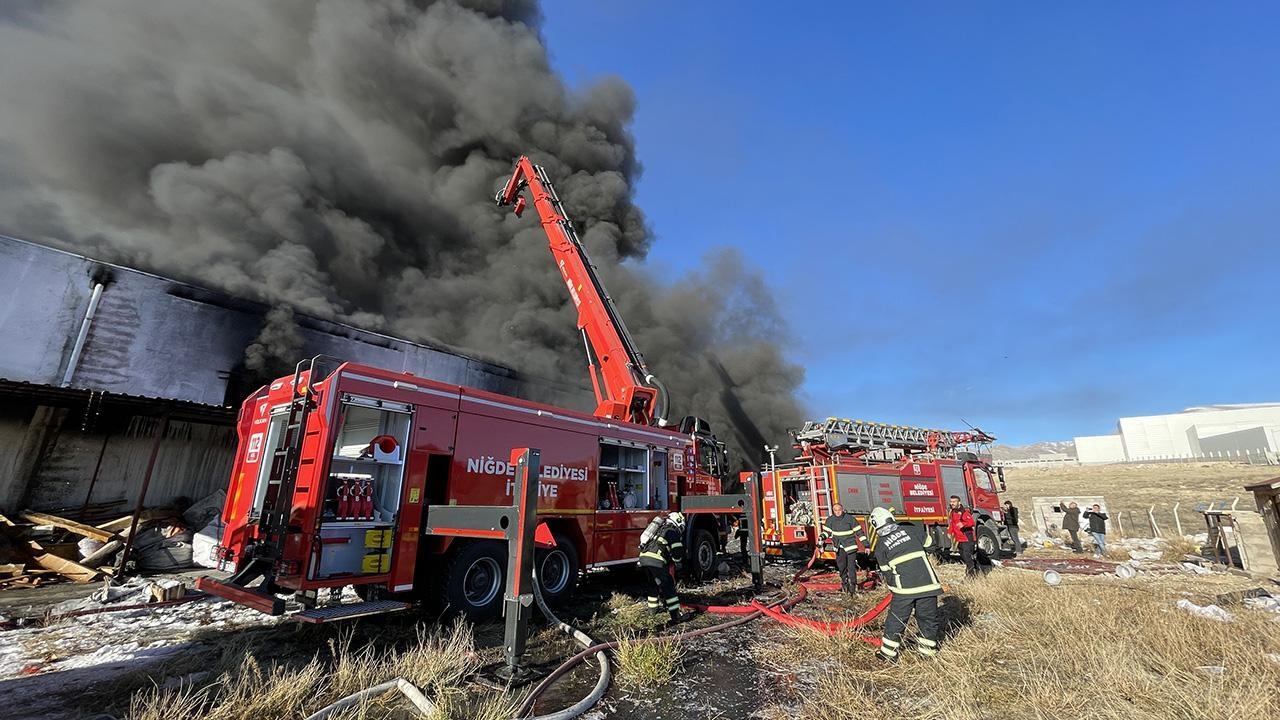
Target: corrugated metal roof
(53,395)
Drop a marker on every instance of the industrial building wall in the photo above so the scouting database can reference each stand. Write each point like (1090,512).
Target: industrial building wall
(193,460)
(1164,436)
(156,337)
(1099,449)
(1251,441)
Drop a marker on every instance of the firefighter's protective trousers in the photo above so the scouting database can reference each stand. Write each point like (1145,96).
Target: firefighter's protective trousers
(847,535)
(905,568)
(658,558)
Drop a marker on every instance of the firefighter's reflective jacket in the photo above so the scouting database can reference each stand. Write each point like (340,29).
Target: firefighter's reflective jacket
(846,532)
(904,564)
(665,548)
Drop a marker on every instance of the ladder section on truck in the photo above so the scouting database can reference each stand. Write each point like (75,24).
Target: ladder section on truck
(820,497)
(283,479)
(846,434)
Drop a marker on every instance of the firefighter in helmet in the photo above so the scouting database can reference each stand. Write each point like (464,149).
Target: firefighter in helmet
(661,550)
(848,536)
(905,568)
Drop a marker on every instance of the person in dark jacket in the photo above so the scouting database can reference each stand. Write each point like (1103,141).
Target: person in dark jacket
(1097,528)
(1071,523)
(907,573)
(848,536)
(1011,525)
(659,558)
(962,528)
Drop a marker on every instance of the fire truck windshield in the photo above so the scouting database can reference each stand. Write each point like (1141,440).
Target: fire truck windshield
(982,479)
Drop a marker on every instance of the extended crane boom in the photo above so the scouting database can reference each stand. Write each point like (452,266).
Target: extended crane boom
(625,389)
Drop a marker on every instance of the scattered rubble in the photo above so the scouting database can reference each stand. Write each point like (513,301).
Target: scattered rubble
(44,547)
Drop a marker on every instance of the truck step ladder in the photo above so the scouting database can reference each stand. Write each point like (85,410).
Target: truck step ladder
(329,613)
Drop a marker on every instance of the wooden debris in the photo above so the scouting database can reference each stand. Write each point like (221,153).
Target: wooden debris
(122,524)
(12,568)
(59,522)
(69,569)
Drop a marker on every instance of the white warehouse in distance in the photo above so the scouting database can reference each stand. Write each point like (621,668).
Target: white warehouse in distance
(1214,431)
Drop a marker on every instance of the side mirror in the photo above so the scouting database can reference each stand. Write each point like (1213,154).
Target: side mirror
(1000,475)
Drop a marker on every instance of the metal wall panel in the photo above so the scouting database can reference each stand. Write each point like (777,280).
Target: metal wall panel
(160,338)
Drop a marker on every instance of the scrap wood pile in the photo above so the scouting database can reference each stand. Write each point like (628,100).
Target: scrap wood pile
(37,548)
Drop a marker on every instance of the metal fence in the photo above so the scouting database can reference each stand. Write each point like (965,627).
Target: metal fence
(1250,457)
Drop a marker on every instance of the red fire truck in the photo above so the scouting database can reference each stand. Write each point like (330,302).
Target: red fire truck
(911,470)
(338,466)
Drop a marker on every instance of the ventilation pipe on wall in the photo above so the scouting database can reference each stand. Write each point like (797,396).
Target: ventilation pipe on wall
(101,277)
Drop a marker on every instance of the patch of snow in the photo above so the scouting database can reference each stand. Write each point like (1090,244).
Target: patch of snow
(1210,612)
(1269,604)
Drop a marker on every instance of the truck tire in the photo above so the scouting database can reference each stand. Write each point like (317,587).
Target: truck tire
(988,542)
(557,569)
(700,558)
(475,580)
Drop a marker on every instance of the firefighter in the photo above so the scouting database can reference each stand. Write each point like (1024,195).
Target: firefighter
(961,528)
(848,536)
(661,550)
(907,573)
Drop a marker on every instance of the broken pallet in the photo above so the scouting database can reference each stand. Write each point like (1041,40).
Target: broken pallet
(88,531)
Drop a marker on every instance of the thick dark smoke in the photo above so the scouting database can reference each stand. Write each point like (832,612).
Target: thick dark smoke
(338,158)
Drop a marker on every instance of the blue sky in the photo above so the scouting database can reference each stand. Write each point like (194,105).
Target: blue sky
(1034,217)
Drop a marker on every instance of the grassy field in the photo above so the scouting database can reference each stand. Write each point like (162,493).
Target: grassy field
(1095,647)
(1135,488)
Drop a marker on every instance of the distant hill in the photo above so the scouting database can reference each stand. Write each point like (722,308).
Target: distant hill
(1034,450)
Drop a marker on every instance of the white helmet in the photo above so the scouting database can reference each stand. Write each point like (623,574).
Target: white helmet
(881,517)
(677,519)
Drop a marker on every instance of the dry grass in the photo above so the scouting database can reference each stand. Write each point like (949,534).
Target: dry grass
(645,662)
(1135,488)
(1173,549)
(623,616)
(248,690)
(1093,647)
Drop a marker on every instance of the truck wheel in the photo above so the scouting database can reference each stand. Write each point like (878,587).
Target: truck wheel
(701,557)
(474,580)
(988,543)
(557,569)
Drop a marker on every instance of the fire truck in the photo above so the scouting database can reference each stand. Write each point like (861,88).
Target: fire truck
(912,471)
(338,466)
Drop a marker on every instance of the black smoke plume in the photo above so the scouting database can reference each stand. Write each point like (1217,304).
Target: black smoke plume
(338,158)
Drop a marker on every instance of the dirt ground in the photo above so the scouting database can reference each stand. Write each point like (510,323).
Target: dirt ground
(1014,647)
(1135,488)
(761,670)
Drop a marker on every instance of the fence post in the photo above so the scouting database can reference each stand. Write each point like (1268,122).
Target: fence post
(1120,524)
(1177,522)
(1151,515)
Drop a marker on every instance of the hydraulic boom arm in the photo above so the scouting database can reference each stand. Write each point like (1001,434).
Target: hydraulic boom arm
(625,389)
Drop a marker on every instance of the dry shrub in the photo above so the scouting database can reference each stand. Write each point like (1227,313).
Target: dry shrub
(626,616)
(247,690)
(461,706)
(645,662)
(1174,548)
(1095,647)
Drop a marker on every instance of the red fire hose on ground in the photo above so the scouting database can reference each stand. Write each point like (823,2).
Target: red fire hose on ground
(778,610)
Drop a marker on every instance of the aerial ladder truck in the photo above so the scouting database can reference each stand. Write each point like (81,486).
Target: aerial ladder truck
(406,488)
(910,470)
